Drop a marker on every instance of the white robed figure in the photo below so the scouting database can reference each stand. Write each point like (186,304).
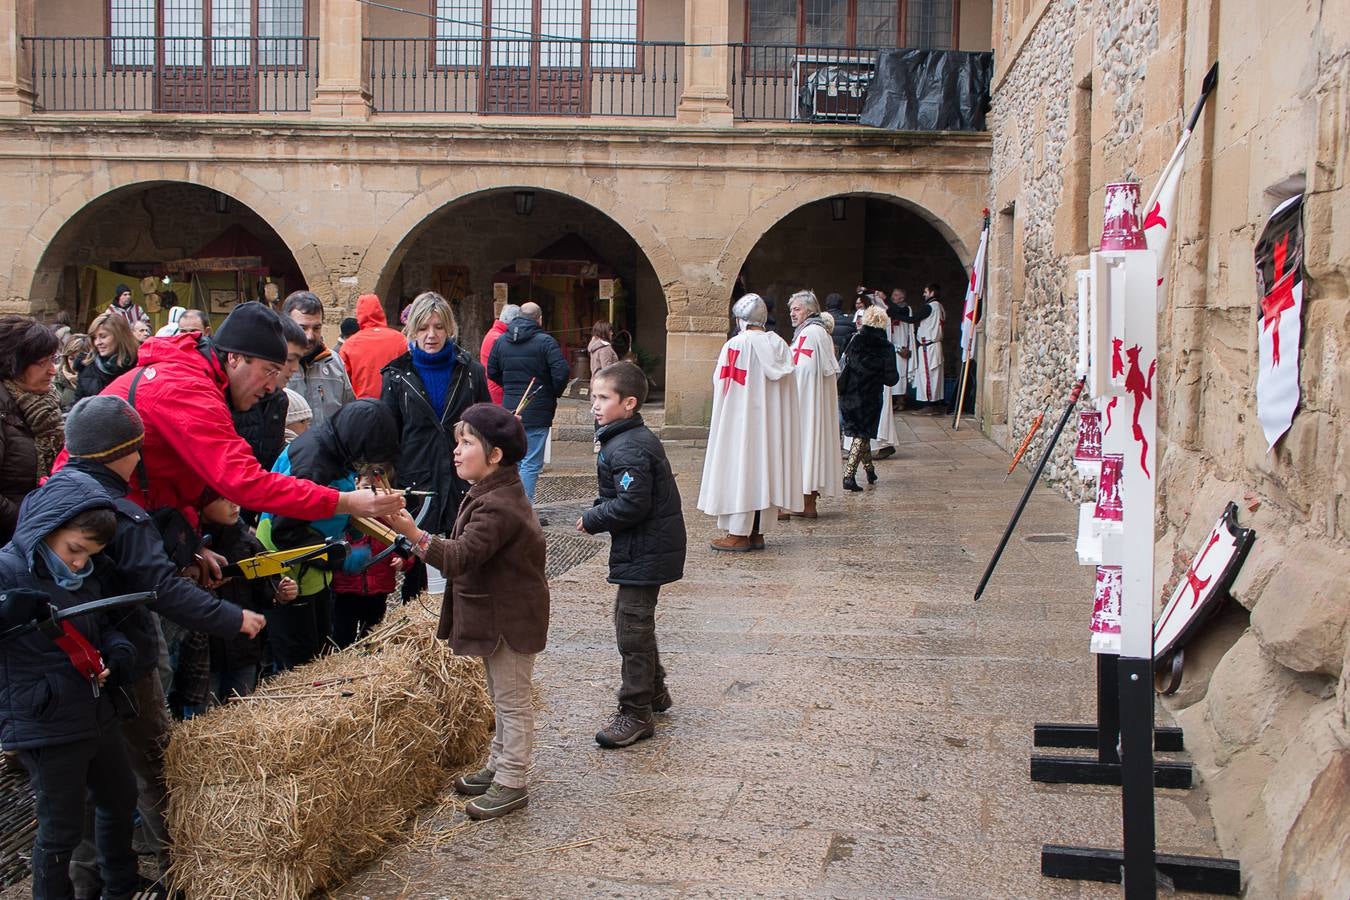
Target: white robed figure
(927,359)
(753,462)
(817,375)
(902,338)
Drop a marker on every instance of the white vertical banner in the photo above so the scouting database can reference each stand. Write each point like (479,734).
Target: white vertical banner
(974,291)
(1279,277)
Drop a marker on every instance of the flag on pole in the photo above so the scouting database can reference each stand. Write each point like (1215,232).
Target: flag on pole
(1160,210)
(974,291)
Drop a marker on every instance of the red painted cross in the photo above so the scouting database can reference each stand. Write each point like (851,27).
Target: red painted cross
(801,350)
(730,373)
(972,279)
(1193,581)
(1154,217)
(1281,297)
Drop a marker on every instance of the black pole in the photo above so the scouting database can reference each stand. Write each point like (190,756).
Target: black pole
(1031,485)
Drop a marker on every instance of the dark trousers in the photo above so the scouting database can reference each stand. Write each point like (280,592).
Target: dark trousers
(145,736)
(414,581)
(635,629)
(62,777)
(299,630)
(354,615)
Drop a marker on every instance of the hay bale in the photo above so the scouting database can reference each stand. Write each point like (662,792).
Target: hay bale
(281,797)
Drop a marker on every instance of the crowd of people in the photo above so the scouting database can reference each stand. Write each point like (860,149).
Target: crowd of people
(159,464)
(783,410)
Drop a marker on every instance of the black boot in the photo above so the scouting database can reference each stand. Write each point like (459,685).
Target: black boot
(871,476)
(851,483)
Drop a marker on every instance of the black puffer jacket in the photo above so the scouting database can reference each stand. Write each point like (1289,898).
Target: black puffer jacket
(427,443)
(44,700)
(236,542)
(97,374)
(18,463)
(869,365)
(263,426)
(527,351)
(639,505)
(137,561)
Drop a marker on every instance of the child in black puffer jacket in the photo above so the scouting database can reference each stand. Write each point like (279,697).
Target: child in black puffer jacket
(639,505)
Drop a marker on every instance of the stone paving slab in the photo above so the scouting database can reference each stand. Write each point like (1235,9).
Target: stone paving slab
(848,723)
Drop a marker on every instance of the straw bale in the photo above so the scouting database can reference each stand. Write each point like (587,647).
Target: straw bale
(281,797)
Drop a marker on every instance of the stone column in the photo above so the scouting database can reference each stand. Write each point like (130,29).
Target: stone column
(696,329)
(18,18)
(707,70)
(343,91)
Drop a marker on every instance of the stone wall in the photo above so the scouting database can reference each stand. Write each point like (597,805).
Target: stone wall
(1266,696)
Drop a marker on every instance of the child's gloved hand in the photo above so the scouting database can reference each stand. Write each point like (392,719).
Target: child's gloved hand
(357,559)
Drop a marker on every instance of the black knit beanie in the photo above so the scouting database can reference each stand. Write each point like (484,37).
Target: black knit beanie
(253,330)
(500,428)
(103,428)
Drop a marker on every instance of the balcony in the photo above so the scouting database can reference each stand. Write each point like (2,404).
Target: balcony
(173,75)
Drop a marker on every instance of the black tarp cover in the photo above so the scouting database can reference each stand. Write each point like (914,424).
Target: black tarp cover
(929,90)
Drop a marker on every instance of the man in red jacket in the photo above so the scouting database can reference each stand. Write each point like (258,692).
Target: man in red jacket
(509,312)
(372,348)
(185,388)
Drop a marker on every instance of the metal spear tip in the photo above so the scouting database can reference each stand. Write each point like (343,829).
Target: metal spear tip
(1211,78)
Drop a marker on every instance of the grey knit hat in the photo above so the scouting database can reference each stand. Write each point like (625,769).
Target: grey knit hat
(103,428)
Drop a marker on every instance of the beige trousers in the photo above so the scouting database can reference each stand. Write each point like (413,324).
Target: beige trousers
(509,675)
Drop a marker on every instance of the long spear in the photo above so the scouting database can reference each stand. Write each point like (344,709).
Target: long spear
(1031,485)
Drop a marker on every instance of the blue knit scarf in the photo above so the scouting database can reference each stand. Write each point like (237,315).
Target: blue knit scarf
(435,370)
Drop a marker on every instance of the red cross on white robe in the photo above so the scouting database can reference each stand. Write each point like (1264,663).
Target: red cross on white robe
(801,350)
(1281,297)
(730,373)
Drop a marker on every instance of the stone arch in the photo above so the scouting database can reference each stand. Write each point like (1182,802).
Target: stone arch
(106,185)
(387,248)
(937,210)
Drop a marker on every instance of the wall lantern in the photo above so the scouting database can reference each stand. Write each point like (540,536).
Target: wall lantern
(222,203)
(524,203)
(838,208)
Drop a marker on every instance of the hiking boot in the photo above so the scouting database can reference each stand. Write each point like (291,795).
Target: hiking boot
(497,801)
(851,484)
(474,784)
(661,700)
(732,543)
(625,728)
(884,453)
(871,476)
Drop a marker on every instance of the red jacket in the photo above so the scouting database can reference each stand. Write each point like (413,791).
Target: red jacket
(372,348)
(497,330)
(190,441)
(376,580)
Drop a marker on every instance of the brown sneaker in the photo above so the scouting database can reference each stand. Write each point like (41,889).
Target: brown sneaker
(784,515)
(474,784)
(756,541)
(732,543)
(661,700)
(497,801)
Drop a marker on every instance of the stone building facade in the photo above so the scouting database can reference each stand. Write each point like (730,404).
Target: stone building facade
(1089,93)
(373,179)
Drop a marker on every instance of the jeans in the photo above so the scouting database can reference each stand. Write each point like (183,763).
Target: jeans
(241,681)
(354,615)
(635,629)
(144,739)
(533,463)
(299,630)
(508,682)
(63,777)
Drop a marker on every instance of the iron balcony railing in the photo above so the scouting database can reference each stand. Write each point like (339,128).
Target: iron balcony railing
(799,83)
(175,75)
(525,76)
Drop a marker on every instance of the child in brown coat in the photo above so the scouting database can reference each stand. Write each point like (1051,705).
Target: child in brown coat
(496,602)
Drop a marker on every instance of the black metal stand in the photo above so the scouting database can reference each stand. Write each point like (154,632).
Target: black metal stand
(1138,864)
(1102,737)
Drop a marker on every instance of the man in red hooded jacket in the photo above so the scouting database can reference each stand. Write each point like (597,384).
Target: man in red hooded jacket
(372,348)
(186,387)
(509,312)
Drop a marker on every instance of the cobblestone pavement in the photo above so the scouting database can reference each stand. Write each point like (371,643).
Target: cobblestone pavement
(846,723)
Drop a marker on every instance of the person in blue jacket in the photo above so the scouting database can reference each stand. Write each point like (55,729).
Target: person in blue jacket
(57,708)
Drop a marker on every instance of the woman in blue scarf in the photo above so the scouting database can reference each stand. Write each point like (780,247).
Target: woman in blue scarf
(428,388)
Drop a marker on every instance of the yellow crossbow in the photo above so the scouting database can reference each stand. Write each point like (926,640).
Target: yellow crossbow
(274,562)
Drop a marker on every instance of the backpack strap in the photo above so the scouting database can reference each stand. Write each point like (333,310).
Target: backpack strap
(141,475)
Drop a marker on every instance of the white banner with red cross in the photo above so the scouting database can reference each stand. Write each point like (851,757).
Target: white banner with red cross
(1279,278)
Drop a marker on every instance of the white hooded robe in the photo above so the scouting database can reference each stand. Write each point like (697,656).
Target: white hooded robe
(753,462)
(817,375)
(928,385)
